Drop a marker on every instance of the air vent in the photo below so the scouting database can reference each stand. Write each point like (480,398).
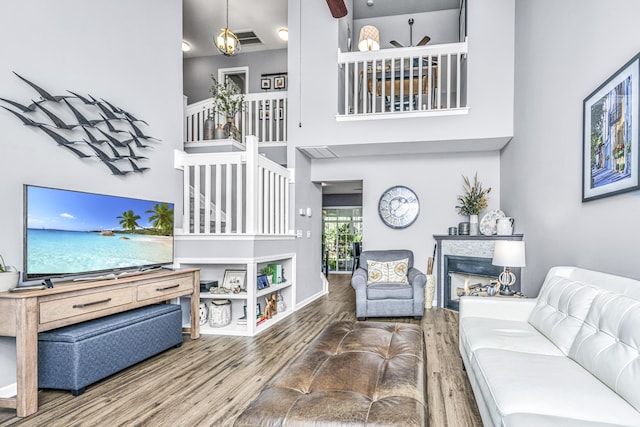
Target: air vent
(318,152)
(248,38)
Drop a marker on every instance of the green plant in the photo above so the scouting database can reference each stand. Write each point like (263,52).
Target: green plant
(3,266)
(474,199)
(227,97)
(268,270)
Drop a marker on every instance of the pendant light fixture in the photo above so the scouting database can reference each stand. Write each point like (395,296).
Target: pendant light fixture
(227,42)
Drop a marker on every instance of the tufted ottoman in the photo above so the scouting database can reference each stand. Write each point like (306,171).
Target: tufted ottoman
(353,373)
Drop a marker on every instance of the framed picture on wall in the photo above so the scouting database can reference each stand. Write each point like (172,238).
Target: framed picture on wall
(610,135)
(279,82)
(265,83)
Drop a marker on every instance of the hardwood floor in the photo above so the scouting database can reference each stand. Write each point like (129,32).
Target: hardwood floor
(208,382)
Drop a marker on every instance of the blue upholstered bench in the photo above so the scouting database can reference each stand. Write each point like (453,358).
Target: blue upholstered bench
(72,357)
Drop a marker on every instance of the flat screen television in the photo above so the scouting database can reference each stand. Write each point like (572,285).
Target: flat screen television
(73,233)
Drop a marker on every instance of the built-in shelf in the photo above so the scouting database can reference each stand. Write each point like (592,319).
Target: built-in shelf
(213,269)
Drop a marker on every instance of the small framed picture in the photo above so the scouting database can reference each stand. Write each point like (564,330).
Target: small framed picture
(265,83)
(233,279)
(279,82)
(263,282)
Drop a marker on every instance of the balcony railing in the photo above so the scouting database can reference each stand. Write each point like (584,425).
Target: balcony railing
(264,116)
(403,81)
(239,193)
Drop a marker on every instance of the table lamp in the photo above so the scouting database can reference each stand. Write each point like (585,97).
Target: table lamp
(508,253)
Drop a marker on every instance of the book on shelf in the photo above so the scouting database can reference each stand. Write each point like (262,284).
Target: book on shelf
(277,273)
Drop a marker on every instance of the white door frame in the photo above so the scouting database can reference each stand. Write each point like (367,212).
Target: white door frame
(223,72)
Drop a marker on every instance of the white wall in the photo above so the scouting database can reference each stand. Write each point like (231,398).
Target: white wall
(565,50)
(441,26)
(436,179)
(128,52)
(490,82)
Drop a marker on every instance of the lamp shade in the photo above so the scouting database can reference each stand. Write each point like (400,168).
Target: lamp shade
(509,253)
(369,38)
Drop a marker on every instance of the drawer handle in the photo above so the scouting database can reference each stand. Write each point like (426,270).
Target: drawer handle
(102,301)
(167,288)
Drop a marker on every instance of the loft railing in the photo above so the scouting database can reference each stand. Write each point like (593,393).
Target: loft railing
(239,193)
(264,116)
(405,81)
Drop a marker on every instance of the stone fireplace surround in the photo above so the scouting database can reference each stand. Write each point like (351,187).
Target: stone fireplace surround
(470,254)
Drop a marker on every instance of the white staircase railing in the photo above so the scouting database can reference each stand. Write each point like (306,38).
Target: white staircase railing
(234,193)
(264,115)
(415,80)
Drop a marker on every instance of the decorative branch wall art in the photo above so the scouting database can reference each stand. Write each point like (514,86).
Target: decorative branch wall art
(88,127)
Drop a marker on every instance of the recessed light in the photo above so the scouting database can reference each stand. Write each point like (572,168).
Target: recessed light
(283,33)
(186,47)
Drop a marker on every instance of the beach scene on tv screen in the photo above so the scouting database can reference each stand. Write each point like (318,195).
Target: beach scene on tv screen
(72,232)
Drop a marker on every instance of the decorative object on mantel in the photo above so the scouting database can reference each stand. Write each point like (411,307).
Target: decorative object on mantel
(228,100)
(474,199)
(489,222)
(504,226)
(92,115)
(9,277)
(453,231)
(227,42)
(463,228)
(610,163)
(508,253)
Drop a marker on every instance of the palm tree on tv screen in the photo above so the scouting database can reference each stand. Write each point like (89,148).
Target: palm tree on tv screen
(129,220)
(162,218)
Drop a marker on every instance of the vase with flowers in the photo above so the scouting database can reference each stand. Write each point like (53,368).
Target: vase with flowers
(228,100)
(474,200)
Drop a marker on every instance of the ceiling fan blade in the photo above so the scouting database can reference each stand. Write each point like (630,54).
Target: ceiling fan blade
(395,43)
(338,8)
(424,41)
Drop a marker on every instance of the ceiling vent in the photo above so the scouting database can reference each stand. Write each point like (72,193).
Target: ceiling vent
(318,152)
(248,38)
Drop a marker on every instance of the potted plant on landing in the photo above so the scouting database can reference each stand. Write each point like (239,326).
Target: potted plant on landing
(474,199)
(8,276)
(228,100)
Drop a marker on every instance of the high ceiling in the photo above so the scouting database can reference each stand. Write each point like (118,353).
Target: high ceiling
(203,19)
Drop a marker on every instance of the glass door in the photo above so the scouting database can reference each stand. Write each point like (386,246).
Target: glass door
(341,228)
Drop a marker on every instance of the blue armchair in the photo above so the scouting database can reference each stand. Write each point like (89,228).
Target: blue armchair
(388,299)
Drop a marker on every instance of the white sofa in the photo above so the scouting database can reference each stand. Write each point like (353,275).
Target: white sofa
(569,358)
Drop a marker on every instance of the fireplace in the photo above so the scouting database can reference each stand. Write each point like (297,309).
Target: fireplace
(462,272)
(462,257)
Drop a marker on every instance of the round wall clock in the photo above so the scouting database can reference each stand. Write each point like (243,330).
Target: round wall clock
(398,207)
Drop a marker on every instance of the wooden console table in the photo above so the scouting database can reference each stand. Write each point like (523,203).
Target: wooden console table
(24,314)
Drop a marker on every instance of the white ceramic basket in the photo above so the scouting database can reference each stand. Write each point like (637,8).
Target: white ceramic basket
(8,280)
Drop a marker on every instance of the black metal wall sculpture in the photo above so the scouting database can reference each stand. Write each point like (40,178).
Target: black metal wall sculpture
(96,133)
